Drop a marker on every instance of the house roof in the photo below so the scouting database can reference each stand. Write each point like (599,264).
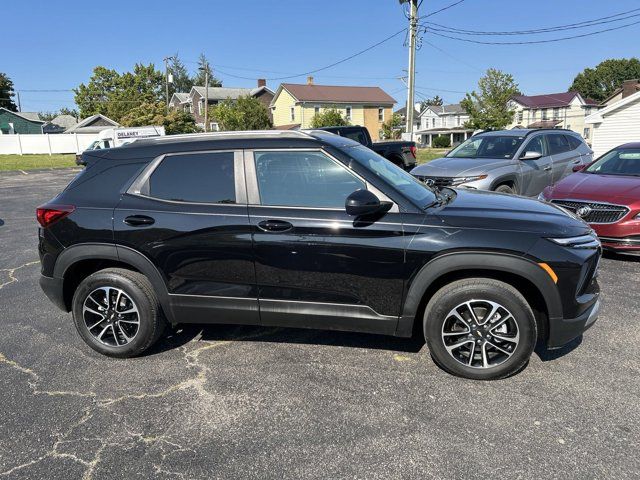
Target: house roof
(337,94)
(544,124)
(403,111)
(619,90)
(181,96)
(222,93)
(452,108)
(600,114)
(257,90)
(550,100)
(65,121)
(86,125)
(31,116)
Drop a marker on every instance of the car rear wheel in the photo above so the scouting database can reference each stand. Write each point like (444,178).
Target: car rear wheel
(505,188)
(480,328)
(117,313)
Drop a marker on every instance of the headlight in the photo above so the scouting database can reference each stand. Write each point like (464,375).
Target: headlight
(460,180)
(582,241)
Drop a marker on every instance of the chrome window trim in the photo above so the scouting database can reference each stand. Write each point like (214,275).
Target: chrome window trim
(140,186)
(253,191)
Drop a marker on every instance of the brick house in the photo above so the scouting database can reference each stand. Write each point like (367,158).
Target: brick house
(193,102)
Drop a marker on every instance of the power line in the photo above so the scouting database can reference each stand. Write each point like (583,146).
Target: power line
(569,26)
(529,42)
(442,9)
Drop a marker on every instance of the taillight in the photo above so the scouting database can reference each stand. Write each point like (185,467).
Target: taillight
(49,214)
(413,150)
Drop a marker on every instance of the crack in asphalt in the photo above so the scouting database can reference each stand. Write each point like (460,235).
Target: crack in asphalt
(197,383)
(11,273)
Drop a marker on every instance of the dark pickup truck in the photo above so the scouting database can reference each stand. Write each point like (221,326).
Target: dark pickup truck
(399,152)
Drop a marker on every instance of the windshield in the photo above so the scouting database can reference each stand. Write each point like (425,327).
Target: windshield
(402,181)
(490,146)
(617,162)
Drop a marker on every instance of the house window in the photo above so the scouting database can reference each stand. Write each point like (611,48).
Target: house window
(214,127)
(347,112)
(200,104)
(458,121)
(534,113)
(556,113)
(544,114)
(520,116)
(587,111)
(381,114)
(316,110)
(292,112)
(568,127)
(586,133)
(433,123)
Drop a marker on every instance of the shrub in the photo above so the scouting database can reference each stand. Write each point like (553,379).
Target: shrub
(441,142)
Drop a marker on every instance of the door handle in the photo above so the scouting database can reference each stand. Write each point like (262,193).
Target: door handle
(275,226)
(138,220)
(547,168)
(576,161)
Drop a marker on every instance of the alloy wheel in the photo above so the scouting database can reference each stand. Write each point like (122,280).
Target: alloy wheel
(480,334)
(111,316)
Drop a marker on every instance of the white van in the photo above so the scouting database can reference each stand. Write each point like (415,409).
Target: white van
(116,137)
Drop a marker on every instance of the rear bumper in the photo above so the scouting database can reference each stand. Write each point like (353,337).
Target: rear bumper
(562,331)
(53,289)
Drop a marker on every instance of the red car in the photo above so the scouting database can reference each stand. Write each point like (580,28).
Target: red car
(605,194)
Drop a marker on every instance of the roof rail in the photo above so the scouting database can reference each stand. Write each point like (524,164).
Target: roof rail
(235,133)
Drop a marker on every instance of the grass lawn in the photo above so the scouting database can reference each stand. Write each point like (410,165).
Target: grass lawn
(427,154)
(30,162)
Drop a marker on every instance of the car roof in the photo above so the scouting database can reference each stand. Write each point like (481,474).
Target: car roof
(523,132)
(154,146)
(630,145)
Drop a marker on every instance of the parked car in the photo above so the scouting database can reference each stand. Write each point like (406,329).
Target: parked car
(606,194)
(399,152)
(309,229)
(116,137)
(521,161)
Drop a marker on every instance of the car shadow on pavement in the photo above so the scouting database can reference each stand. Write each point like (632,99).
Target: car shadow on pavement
(185,333)
(546,355)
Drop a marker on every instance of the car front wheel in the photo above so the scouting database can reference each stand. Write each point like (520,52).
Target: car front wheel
(480,328)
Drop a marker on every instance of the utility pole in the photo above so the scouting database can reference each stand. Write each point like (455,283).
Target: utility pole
(166,79)
(19,106)
(413,28)
(206,100)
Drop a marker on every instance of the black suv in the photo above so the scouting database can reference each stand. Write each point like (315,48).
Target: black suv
(309,229)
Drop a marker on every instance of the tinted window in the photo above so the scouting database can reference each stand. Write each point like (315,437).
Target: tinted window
(198,177)
(558,144)
(490,146)
(535,145)
(574,142)
(303,179)
(358,136)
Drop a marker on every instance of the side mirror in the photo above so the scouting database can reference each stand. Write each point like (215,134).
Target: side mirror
(531,155)
(364,202)
(577,168)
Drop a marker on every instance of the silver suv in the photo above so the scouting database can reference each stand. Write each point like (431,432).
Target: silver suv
(522,161)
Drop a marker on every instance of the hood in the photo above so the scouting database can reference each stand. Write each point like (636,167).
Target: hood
(497,211)
(593,186)
(456,167)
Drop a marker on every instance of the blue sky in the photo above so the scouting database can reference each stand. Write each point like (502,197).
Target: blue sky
(55,45)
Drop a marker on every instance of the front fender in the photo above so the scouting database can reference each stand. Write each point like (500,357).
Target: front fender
(460,261)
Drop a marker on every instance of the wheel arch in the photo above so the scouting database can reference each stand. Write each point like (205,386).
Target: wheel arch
(507,178)
(523,274)
(77,262)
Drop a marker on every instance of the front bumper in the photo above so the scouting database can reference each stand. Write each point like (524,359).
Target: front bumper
(53,289)
(563,330)
(621,243)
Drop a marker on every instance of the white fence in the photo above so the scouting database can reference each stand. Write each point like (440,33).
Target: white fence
(22,144)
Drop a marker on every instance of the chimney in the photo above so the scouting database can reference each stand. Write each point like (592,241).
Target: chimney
(309,80)
(629,87)
(262,82)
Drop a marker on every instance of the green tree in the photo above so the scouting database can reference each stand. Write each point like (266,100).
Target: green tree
(114,95)
(391,129)
(204,66)
(600,82)
(488,108)
(436,101)
(182,81)
(48,116)
(331,117)
(7,93)
(174,122)
(245,113)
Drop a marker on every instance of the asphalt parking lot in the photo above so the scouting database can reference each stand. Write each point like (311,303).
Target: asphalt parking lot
(250,402)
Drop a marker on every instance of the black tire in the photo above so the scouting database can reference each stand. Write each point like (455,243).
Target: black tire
(477,290)
(138,289)
(505,188)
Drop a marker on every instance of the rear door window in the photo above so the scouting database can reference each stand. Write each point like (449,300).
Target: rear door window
(574,142)
(558,143)
(195,177)
(358,136)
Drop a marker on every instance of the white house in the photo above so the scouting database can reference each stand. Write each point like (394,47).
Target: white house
(447,120)
(616,124)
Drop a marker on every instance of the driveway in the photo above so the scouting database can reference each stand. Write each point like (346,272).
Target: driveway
(249,402)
